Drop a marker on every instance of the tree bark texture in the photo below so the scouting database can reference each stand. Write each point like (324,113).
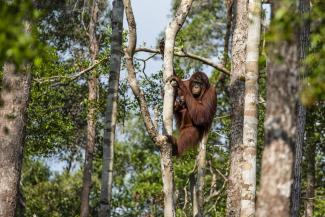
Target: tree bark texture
(280,125)
(14,98)
(166,149)
(304,9)
(198,196)
(237,89)
(310,188)
(111,109)
(91,115)
(248,189)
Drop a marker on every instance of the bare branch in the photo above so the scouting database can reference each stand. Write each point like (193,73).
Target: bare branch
(73,76)
(182,53)
(138,93)
(213,192)
(144,61)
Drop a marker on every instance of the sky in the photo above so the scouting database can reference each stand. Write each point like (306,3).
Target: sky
(151,17)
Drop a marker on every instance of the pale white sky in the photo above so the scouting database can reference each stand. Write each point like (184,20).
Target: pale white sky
(152,17)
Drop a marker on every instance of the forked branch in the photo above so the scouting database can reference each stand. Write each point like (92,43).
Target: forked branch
(138,93)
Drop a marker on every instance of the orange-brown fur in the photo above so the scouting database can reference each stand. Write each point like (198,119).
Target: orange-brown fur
(195,116)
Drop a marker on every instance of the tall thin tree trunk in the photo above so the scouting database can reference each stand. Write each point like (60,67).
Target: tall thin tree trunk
(280,123)
(310,159)
(166,149)
(229,8)
(91,115)
(198,190)
(237,88)
(14,98)
(248,190)
(304,8)
(111,109)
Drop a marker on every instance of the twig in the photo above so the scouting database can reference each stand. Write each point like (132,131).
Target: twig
(221,135)
(144,64)
(70,77)
(213,192)
(224,116)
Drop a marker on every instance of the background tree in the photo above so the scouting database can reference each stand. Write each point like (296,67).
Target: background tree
(248,173)
(14,97)
(92,111)
(111,108)
(236,90)
(304,10)
(280,125)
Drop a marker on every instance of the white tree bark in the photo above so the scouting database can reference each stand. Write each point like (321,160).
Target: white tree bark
(248,179)
(111,109)
(166,150)
(198,197)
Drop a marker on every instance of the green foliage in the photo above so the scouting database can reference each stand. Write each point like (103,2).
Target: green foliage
(137,183)
(314,85)
(284,23)
(202,33)
(56,114)
(48,194)
(18,35)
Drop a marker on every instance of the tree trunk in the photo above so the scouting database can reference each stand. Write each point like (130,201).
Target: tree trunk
(248,189)
(91,115)
(111,109)
(280,123)
(166,149)
(304,8)
(198,192)
(237,88)
(229,7)
(160,141)
(14,98)
(310,159)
